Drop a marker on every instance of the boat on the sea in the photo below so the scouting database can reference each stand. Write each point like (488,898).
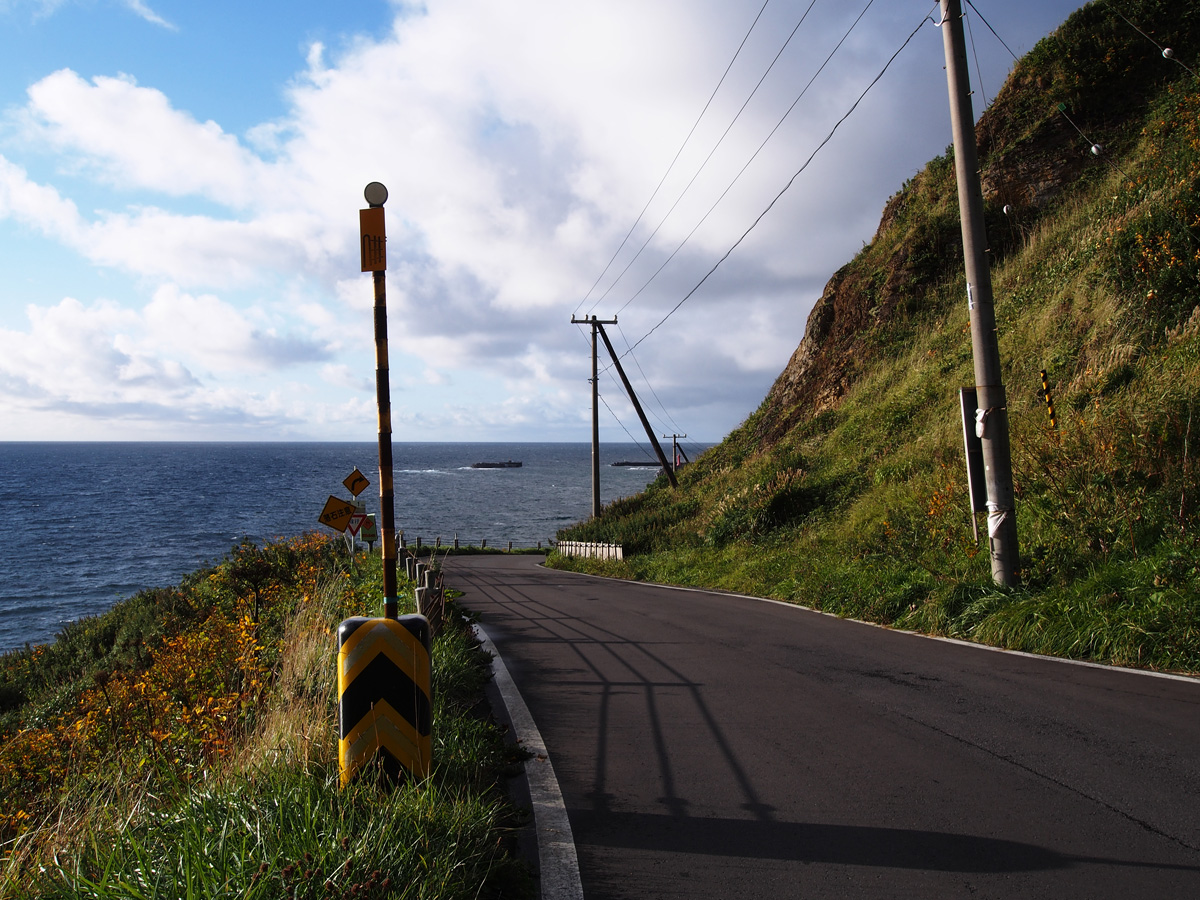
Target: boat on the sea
(507,464)
(641,464)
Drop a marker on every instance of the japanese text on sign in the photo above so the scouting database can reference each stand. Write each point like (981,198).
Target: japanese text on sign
(374,239)
(336,513)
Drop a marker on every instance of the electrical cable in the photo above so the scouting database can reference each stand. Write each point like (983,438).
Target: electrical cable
(673,424)
(992,30)
(978,69)
(670,167)
(1097,149)
(786,187)
(753,157)
(632,439)
(1167,52)
(703,165)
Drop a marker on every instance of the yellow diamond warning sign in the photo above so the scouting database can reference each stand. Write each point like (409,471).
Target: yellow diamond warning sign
(337,513)
(356,482)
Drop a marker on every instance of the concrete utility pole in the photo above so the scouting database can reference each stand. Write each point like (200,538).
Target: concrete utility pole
(992,413)
(595,323)
(674,448)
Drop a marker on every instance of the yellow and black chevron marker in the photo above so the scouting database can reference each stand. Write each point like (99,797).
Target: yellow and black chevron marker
(1049,400)
(384,694)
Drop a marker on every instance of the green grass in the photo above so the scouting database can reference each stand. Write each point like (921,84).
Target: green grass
(278,832)
(255,809)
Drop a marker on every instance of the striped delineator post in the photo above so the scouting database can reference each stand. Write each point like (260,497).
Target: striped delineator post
(373,238)
(385,714)
(384,697)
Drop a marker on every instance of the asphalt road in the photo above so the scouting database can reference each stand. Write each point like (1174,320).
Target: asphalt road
(712,746)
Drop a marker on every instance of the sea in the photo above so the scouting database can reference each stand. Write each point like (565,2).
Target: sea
(83,525)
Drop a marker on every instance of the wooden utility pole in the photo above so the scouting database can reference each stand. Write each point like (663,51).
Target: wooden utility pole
(992,413)
(595,323)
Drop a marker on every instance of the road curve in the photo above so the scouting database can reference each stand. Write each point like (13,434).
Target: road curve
(714,746)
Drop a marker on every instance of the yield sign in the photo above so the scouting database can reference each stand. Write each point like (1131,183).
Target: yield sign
(356,522)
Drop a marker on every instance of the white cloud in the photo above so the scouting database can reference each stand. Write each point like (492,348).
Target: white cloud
(45,8)
(342,375)
(37,205)
(141,9)
(221,338)
(133,138)
(518,142)
(101,361)
(79,355)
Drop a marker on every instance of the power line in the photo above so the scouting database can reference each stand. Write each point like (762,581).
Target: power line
(1096,148)
(670,167)
(753,157)
(992,30)
(661,405)
(787,186)
(1167,52)
(622,424)
(708,158)
(978,69)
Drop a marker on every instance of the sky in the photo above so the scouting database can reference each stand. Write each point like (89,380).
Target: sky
(180,185)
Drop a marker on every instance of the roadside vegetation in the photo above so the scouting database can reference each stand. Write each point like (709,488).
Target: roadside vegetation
(846,490)
(184,744)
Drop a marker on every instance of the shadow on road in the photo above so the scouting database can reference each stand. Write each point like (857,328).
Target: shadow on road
(852,845)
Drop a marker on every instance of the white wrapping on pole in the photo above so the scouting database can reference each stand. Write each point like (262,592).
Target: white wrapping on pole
(996,518)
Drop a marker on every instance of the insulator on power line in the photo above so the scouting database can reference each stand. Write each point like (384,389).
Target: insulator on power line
(1168,53)
(1097,149)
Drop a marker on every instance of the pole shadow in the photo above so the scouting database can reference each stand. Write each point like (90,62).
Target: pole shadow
(846,845)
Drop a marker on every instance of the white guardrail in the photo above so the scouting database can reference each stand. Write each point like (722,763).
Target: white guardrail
(585,548)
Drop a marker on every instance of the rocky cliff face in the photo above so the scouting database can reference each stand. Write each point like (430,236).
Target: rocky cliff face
(1031,152)
(917,243)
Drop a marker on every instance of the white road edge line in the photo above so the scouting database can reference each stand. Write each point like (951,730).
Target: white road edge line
(1170,676)
(557,860)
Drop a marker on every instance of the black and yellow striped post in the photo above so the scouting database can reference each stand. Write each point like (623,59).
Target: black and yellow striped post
(1049,400)
(384,697)
(373,237)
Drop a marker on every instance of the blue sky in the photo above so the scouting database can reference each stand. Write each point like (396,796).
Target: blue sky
(179,186)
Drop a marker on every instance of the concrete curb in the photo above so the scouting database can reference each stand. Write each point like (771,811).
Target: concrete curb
(558,863)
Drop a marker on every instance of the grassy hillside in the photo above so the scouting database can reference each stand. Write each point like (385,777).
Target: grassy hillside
(846,489)
(184,744)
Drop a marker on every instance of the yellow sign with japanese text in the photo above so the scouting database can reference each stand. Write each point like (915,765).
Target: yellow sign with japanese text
(373,238)
(337,513)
